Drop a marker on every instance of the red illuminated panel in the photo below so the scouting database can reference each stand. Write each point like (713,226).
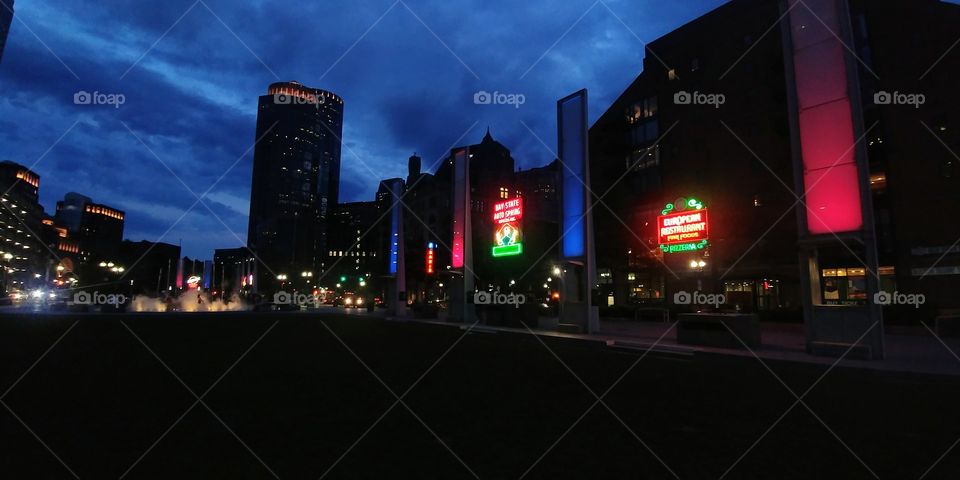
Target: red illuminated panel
(820,70)
(827,136)
(508,212)
(830,176)
(461,197)
(683,227)
(832,205)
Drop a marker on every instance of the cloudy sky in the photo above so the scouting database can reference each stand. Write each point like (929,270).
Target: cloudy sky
(190,72)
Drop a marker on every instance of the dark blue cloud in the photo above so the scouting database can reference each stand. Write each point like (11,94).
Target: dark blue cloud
(191,84)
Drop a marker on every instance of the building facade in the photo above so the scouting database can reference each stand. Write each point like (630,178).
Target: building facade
(708,120)
(232,271)
(354,249)
(22,251)
(296,178)
(97,228)
(151,267)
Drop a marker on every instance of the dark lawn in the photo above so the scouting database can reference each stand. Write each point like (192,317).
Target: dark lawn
(299,400)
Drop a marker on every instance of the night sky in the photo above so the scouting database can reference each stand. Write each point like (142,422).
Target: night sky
(191,74)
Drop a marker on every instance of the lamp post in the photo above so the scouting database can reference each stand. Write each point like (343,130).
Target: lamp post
(7,257)
(698,266)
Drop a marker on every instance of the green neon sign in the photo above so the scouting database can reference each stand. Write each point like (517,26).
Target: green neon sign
(682,204)
(684,247)
(508,250)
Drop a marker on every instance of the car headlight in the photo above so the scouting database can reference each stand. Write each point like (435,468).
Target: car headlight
(348,301)
(359,301)
(36,293)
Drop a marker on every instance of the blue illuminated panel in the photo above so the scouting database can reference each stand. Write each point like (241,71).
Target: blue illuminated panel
(572,119)
(396,190)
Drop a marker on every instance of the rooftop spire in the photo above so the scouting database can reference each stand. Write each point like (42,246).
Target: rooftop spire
(488,137)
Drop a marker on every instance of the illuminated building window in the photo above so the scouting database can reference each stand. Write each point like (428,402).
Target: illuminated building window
(644,158)
(605,277)
(504,193)
(878,181)
(642,110)
(756,201)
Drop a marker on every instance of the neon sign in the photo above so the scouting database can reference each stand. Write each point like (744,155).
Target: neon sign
(507,238)
(683,226)
(430,257)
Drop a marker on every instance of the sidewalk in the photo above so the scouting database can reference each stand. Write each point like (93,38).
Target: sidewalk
(908,349)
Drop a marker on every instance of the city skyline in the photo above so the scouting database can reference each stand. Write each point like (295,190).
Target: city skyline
(396,72)
(424,239)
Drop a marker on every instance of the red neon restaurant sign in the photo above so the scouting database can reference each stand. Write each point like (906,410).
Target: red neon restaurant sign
(507,233)
(683,226)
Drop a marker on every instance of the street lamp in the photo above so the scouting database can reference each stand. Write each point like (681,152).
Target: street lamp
(556,271)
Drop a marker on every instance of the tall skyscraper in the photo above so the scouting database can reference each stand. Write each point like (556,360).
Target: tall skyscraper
(6,18)
(296,180)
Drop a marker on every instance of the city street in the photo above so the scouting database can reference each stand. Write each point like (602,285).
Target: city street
(315,395)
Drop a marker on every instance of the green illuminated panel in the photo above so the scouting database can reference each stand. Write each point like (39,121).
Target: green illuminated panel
(683,247)
(508,250)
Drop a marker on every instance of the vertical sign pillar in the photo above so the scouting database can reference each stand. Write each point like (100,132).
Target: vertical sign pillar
(830,169)
(396,290)
(461,288)
(577,311)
